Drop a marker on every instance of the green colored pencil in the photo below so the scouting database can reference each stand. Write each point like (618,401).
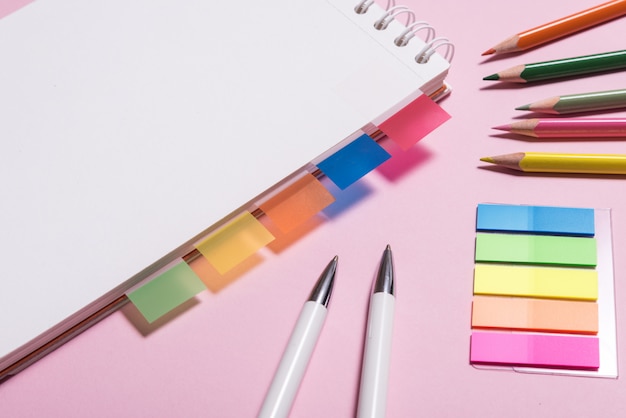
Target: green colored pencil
(583,102)
(565,67)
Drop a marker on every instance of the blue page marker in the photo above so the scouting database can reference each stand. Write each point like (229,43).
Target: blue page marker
(353,161)
(547,220)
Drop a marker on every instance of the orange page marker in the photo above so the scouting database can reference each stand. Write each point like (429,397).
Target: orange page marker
(576,317)
(297,203)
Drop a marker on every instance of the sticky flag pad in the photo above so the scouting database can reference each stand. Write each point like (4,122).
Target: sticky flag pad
(543,290)
(353,161)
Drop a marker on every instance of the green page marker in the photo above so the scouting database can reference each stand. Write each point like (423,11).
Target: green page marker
(166,292)
(536,249)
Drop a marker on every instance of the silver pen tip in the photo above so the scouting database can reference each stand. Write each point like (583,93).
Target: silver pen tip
(323,288)
(385,278)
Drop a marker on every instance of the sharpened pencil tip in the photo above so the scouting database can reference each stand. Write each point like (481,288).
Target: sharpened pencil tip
(525,107)
(502,127)
(487,159)
(489,52)
(492,77)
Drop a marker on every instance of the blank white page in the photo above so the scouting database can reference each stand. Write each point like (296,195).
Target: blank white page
(128,127)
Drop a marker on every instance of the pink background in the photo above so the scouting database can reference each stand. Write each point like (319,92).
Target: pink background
(216,355)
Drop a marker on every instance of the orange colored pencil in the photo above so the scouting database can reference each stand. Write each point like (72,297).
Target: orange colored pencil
(560,28)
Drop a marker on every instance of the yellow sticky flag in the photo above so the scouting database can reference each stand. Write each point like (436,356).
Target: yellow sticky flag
(234,242)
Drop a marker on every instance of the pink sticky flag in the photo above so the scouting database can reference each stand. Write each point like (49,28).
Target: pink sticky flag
(414,121)
(535,350)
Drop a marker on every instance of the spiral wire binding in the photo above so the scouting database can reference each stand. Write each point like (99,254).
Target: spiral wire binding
(365,4)
(432,43)
(429,49)
(411,30)
(391,14)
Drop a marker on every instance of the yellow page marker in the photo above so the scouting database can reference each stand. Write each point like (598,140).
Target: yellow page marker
(540,282)
(234,242)
(529,314)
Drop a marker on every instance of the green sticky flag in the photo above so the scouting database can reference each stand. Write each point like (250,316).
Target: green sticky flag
(166,291)
(536,249)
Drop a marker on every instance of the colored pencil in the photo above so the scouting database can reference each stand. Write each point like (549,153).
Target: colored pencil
(568,128)
(536,162)
(583,102)
(560,28)
(565,67)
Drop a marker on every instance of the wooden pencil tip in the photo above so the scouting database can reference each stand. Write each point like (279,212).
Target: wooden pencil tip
(502,128)
(489,52)
(492,77)
(525,107)
(487,160)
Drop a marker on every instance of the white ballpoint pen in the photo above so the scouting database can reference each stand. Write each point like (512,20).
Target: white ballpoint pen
(296,357)
(377,352)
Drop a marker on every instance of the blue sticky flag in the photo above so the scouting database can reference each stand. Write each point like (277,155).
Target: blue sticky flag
(548,220)
(353,161)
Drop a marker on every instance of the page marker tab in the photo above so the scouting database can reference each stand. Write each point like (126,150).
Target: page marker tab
(544,315)
(166,291)
(234,242)
(414,121)
(550,220)
(536,249)
(535,350)
(353,161)
(296,203)
(539,282)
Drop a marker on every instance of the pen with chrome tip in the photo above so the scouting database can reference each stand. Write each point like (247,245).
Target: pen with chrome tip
(377,352)
(296,357)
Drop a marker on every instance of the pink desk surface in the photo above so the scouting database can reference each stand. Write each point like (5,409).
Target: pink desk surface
(217,355)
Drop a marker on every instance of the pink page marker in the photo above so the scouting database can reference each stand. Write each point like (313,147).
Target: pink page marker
(540,350)
(413,122)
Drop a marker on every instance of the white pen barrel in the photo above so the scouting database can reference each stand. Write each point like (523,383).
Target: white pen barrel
(294,361)
(376,357)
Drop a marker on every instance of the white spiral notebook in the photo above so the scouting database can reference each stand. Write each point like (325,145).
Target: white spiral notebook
(129,128)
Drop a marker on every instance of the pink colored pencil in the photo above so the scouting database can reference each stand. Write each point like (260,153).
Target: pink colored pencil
(568,128)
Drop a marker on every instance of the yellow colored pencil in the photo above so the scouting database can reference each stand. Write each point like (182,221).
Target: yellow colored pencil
(536,162)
